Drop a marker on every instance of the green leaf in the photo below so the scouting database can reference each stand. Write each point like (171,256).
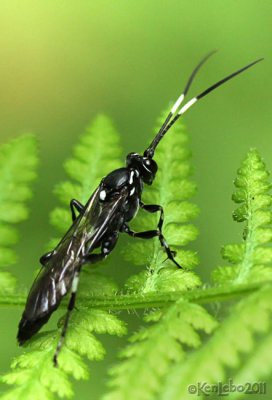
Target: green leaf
(225,349)
(258,366)
(152,351)
(18,161)
(253,193)
(97,153)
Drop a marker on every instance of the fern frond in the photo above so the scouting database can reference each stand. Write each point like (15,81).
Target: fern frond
(34,370)
(258,366)
(18,161)
(97,154)
(148,358)
(172,189)
(237,332)
(252,259)
(235,336)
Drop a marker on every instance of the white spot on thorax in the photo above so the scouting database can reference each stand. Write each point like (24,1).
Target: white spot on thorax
(102,195)
(131,177)
(132,191)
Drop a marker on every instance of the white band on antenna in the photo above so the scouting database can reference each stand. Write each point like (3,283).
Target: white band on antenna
(177,103)
(187,105)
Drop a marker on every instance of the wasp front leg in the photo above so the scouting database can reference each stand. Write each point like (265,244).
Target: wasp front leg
(152,208)
(149,235)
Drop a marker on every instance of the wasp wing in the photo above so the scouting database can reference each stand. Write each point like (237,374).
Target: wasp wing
(55,279)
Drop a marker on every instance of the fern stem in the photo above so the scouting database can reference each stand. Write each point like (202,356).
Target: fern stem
(150,300)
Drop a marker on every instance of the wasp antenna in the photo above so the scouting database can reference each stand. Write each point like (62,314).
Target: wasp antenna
(189,82)
(150,150)
(200,96)
(222,81)
(215,86)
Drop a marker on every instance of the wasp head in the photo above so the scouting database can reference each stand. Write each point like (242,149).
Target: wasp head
(146,166)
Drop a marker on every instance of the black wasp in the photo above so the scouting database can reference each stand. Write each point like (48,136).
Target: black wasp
(113,204)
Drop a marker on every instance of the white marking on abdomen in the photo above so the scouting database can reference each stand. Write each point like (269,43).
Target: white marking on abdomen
(62,287)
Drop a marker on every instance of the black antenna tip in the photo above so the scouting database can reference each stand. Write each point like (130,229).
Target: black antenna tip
(219,83)
(199,65)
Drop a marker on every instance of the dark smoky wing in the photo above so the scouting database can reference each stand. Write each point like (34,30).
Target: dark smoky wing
(55,279)
(51,284)
(106,219)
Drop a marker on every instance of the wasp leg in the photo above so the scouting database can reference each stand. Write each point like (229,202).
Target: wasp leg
(75,204)
(107,246)
(152,208)
(149,235)
(70,308)
(46,257)
(93,258)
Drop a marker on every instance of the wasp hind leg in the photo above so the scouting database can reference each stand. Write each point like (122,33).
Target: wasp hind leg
(70,308)
(107,246)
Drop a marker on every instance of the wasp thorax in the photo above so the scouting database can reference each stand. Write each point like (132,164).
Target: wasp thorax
(146,166)
(111,184)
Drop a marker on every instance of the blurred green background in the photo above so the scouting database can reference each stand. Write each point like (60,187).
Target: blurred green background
(63,62)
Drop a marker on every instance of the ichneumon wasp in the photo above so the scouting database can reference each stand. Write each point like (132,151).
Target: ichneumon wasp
(98,223)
